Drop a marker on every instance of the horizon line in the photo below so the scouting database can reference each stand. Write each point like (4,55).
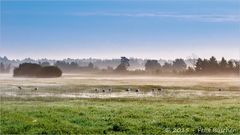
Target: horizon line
(61,59)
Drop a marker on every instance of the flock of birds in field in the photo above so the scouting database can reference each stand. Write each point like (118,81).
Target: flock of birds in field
(127,90)
(110,90)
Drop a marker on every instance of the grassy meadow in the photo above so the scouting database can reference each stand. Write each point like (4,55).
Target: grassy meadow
(186,105)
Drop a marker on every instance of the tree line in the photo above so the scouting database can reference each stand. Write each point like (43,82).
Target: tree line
(178,65)
(74,67)
(202,66)
(151,66)
(213,66)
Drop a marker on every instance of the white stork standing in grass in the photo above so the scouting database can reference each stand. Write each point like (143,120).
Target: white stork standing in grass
(110,90)
(96,91)
(128,90)
(153,91)
(137,90)
(103,91)
(160,90)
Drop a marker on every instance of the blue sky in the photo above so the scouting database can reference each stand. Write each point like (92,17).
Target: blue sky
(112,28)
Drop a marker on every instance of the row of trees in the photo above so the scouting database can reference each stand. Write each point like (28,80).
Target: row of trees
(5,68)
(213,66)
(153,66)
(74,67)
(178,65)
(202,66)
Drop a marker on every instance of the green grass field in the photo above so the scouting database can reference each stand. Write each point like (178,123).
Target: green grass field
(119,116)
(209,112)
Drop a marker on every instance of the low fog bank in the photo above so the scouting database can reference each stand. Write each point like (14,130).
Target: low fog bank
(139,67)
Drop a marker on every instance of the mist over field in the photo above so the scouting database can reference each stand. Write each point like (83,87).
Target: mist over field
(66,98)
(120,67)
(122,104)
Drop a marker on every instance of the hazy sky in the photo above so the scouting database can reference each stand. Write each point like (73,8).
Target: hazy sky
(112,28)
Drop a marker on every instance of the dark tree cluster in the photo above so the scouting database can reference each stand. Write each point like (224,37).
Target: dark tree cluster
(5,68)
(36,70)
(74,67)
(212,66)
(153,66)
(122,67)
